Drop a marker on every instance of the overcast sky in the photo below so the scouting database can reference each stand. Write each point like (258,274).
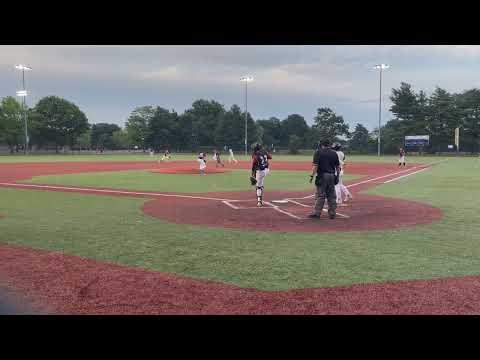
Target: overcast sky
(108,82)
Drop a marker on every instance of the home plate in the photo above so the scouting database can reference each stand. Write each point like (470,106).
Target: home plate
(280,201)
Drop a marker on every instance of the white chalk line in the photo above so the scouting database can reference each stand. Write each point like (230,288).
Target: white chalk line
(339,214)
(297,203)
(404,176)
(415,172)
(230,205)
(360,183)
(227,202)
(425,167)
(93,190)
(276,208)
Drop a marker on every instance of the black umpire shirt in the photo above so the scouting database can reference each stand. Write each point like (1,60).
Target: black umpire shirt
(326,160)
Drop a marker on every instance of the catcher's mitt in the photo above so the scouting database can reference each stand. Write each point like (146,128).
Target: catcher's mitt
(253,181)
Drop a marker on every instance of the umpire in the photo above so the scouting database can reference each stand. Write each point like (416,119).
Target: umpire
(327,167)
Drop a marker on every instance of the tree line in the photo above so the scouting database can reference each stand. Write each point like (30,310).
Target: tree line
(436,115)
(58,123)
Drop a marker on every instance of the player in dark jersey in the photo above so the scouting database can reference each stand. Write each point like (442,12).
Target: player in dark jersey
(260,169)
(326,166)
(216,157)
(401,160)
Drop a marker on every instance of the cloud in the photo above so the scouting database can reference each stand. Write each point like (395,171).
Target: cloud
(114,79)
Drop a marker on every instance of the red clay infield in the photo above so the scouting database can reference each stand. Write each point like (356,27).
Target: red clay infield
(58,283)
(365,213)
(67,284)
(237,210)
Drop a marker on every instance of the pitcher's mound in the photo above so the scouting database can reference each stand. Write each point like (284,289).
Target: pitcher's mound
(188,170)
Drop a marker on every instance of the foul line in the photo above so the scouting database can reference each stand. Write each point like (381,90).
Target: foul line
(93,190)
(404,176)
(297,203)
(231,205)
(276,208)
(424,167)
(227,202)
(385,176)
(336,212)
(416,172)
(361,182)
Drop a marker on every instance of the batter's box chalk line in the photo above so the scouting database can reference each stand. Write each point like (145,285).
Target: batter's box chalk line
(275,207)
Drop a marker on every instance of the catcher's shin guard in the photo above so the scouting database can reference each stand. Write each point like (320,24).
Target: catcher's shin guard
(260,195)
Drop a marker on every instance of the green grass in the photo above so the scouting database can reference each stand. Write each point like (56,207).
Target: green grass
(114,229)
(32,158)
(148,181)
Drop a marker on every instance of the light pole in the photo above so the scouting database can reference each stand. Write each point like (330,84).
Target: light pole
(23,93)
(380,67)
(246,80)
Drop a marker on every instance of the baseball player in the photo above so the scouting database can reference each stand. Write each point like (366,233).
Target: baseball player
(216,157)
(202,161)
(166,155)
(401,160)
(231,158)
(259,170)
(340,188)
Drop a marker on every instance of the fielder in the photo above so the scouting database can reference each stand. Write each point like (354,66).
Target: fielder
(231,158)
(340,188)
(166,155)
(401,160)
(217,159)
(202,162)
(259,170)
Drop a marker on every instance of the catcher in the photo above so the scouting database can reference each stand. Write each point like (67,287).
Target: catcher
(259,170)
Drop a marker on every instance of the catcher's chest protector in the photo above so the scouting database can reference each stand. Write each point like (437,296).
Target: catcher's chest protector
(262,162)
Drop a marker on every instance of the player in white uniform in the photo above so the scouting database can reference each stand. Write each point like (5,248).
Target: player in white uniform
(202,162)
(340,188)
(231,158)
(401,159)
(166,156)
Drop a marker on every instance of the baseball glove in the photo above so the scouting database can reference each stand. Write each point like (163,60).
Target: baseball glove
(337,179)
(253,181)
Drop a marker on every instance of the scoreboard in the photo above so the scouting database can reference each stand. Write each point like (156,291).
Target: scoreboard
(417,141)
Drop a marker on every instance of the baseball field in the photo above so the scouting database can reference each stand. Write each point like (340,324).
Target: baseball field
(126,234)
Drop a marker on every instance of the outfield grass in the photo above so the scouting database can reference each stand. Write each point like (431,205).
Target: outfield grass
(237,180)
(145,157)
(114,229)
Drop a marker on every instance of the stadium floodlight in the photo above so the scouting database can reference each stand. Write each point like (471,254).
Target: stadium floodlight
(380,67)
(23,67)
(246,80)
(23,93)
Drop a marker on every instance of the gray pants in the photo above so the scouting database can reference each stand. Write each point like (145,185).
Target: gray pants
(325,185)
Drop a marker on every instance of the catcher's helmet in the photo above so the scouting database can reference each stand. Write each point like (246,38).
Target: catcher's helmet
(336,146)
(326,143)
(257,147)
